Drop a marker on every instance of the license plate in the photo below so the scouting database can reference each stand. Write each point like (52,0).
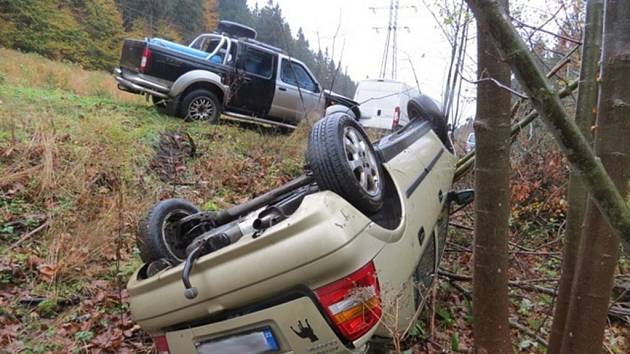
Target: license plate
(256,342)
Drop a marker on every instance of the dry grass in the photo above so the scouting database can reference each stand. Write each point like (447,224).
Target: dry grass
(71,145)
(22,69)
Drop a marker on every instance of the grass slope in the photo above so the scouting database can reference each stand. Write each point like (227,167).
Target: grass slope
(77,170)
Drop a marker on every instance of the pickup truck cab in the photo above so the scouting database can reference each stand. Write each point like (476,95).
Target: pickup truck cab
(228,72)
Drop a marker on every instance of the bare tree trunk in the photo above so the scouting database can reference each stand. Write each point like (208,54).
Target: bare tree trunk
(599,247)
(491,328)
(578,196)
(547,103)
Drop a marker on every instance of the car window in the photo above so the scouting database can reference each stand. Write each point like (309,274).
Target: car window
(258,62)
(296,74)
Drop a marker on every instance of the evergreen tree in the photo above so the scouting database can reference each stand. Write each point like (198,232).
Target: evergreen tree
(274,30)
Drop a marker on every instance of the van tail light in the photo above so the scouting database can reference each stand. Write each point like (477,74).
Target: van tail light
(396,120)
(161,345)
(146,60)
(353,303)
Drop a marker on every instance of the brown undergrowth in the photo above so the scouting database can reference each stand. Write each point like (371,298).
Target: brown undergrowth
(538,184)
(78,168)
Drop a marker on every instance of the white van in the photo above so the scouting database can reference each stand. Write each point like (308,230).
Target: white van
(383,103)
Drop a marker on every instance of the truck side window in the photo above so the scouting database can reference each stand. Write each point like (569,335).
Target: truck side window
(295,74)
(258,62)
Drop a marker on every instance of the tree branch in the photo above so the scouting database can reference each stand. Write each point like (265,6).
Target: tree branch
(546,101)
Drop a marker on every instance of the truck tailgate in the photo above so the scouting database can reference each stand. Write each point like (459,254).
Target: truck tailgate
(131,54)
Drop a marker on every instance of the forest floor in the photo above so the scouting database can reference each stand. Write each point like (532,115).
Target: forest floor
(80,162)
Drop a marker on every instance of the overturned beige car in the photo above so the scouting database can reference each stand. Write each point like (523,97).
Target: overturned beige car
(314,266)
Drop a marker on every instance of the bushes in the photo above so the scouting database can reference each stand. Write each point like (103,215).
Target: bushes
(85,32)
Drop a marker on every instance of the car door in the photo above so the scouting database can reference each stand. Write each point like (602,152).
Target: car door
(253,88)
(297,93)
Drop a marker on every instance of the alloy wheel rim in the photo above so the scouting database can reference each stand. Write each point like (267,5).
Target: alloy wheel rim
(361,160)
(201,108)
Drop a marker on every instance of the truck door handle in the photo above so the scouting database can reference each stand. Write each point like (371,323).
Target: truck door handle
(282,88)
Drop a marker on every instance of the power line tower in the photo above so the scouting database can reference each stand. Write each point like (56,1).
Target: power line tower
(391,40)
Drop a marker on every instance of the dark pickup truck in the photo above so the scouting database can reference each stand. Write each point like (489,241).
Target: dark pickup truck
(227,72)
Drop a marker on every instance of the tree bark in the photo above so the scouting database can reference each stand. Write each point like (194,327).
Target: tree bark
(578,196)
(491,327)
(599,247)
(547,103)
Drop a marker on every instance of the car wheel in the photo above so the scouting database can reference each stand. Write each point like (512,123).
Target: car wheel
(423,108)
(342,160)
(157,236)
(201,105)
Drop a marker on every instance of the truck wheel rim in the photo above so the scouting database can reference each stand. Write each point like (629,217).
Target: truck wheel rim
(361,160)
(201,108)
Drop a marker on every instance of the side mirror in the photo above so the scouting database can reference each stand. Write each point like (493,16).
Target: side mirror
(461,197)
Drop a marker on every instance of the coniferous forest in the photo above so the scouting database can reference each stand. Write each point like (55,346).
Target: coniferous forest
(90,32)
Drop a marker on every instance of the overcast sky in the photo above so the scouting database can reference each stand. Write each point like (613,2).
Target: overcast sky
(424,44)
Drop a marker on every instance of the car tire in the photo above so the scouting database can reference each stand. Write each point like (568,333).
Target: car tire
(423,108)
(343,160)
(201,105)
(156,238)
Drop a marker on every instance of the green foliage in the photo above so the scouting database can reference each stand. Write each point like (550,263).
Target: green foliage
(445,315)
(90,32)
(178,20)
(47,308)
(84,336)
(455,342)
(85,32)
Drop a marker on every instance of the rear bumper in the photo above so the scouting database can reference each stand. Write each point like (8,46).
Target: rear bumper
(136,83)
(282,319)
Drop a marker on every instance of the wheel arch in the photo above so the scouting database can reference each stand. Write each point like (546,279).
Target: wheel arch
(199,79)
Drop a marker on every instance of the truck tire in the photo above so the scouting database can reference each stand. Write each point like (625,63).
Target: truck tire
(201,105)
(156,237)
(342,160)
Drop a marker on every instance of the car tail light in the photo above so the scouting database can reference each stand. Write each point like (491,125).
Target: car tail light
(161,345)
(353,303)
(146,60)
(396,120)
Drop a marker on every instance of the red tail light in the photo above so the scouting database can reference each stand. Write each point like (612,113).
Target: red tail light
(146,60)
(396,120)
(353,303)
(161,345)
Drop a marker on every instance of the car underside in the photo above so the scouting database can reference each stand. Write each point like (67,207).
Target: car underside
(313,265)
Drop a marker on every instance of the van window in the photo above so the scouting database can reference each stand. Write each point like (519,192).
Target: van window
(295,74)
(258,62)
